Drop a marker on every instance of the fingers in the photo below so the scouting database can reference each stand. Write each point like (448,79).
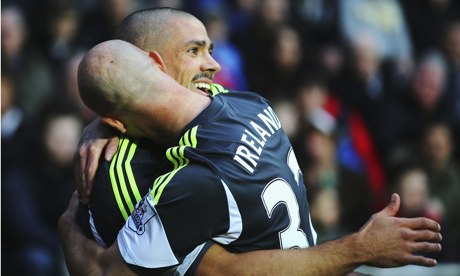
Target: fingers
(392,208)
(85,166)
(96,136)
(426,235)
(111,148)
(92,162)
(426,247)
(421,260)
(420,223)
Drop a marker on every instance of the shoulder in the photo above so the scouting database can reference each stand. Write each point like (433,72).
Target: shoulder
(217,89)
(136,162)
(194,180)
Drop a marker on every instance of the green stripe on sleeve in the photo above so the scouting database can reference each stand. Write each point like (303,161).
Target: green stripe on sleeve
(130,174)
(121,177)
(177,156)
(113,181)
(162,178)
(193,139)
(183,160)
(217,88)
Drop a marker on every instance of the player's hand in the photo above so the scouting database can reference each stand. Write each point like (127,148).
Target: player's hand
(389,241)
(95,138)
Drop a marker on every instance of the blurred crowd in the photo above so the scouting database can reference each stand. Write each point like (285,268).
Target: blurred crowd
(367,90)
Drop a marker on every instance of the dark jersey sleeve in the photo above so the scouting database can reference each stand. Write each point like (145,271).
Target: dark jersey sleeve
(184,211)
(119,185)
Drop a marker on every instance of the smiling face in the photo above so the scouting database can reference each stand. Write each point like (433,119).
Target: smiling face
(180,39)
(188,54)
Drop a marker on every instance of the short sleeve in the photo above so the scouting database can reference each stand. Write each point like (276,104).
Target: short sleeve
(164,228)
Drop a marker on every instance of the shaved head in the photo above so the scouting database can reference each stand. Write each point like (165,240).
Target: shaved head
(126,87)
(151,29)
(113,76)
(181,41)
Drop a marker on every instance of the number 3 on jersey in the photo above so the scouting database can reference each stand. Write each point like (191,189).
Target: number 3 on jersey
(277,192)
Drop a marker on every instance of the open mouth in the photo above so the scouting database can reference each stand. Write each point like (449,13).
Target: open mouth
(205,87)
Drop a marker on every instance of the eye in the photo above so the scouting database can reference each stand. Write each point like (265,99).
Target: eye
(211,51)
(193,50)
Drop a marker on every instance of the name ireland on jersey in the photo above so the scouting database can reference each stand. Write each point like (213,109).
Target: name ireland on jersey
(263,127)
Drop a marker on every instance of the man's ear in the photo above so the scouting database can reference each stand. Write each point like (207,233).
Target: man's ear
(158,60)
(116,124)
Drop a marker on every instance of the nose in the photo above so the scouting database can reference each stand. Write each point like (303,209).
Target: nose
(210,64)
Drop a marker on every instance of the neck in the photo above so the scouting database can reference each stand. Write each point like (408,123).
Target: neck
(181,108)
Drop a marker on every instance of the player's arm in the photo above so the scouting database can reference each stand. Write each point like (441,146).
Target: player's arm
(385,241)
(154,244)
(96,138)
(84,256)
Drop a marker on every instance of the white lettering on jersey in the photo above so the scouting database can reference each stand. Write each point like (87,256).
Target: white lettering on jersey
(248,154)
(279,192)
(270,119)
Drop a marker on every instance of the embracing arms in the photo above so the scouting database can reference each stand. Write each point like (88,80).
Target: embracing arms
(385,241)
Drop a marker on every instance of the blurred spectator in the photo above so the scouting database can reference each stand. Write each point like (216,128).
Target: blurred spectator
(365,71)
(364,87)
(12,122)
(384,21)
(322,40)
(63,30)
(100,24)
(364,101)
(444,184)
(60,130)
(427,35)
(257,42)
(29,246)
(326,215)
(70,88)
(284,65)
(288,116)
(355,150)
(424,103)
(311,94)
(429,83)
(241,14)
(321,18)
(322,171)
(45,184)
(452,49)
(228,55)
(29,69)
(411,182)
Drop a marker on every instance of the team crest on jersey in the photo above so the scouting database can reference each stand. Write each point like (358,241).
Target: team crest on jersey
(141,216)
